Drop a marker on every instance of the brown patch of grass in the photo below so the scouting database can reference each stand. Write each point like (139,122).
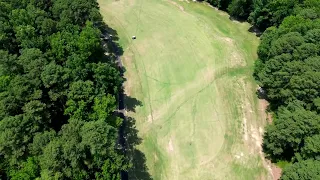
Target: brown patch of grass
(177,5)
(170,146)
(276,172)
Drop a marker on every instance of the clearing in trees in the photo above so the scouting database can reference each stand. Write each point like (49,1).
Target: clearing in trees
(191,68)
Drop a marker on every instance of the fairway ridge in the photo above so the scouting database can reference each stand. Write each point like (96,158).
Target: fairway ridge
(191,68)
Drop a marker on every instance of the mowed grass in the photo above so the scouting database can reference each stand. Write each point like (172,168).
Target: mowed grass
(191,67)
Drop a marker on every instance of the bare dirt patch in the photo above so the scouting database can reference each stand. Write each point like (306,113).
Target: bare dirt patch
(252,131)
(235,57)
(276,172)
(155,157)
(177,5)
(208,74)
(228,40)
(131,2)
(245,129)
(257,137)
(170,146)
(246,112)
(263,107)
(150,118)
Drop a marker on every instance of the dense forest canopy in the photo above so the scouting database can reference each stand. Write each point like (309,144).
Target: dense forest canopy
(288,69)
(267,13)
(57,93)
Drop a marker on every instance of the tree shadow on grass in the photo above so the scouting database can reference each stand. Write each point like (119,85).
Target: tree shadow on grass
(131,103)
(110,47)
(128,134)
(255,30)
(239,19)
(130,140)
(110,35)
(139,169)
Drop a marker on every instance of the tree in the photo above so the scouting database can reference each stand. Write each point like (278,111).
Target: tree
(29,170)
(311,148)
(94,135)
(288,69)
(269,13)
(103,108)
(32,61)
(304,170)
(289,130)
(77,12)
(8,63)
(107,78)
(240,8)
(285,68)
(57,93)
(80,97)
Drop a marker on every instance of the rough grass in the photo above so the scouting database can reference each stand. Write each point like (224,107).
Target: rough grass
(191,67)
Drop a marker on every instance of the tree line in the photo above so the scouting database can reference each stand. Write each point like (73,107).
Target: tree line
(266,13)
(288,69)
(58,93)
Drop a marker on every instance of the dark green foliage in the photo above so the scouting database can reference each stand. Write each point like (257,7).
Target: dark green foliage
(266,13)
(57,93)
(288,69)
(292,126)
(240,8)
(29,170)
(304,170)
(311,148)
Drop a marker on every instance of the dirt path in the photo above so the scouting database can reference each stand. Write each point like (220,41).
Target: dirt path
(276,172)
(273,169)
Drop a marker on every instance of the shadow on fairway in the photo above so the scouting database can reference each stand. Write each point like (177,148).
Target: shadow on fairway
(234,18)
(111,51)
(129,140)
(112,36)
(128,134)
(139,169)
(131,103)
(255,30)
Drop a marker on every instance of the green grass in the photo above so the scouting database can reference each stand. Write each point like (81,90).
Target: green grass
(283,164)
(191,68)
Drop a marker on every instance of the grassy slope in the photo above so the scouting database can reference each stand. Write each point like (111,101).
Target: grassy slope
(191,68)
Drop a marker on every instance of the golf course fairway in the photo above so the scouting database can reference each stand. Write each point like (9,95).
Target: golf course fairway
(190,71)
